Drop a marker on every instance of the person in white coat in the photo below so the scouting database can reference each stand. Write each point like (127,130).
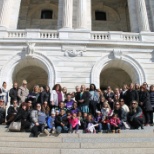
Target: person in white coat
(56,95)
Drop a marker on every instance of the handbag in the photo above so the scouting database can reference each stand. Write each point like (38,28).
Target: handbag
(15,126)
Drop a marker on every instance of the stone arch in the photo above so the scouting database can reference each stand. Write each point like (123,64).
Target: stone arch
(124,62)
(6,73)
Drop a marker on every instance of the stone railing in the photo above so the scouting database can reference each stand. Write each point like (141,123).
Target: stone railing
(49,35)
(115,36)
(17,34)
(100,36)
(42,34)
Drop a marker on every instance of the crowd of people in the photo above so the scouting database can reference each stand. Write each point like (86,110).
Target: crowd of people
(89,109)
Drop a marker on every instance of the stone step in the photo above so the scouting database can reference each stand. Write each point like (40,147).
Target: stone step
(14,150)
(66,135)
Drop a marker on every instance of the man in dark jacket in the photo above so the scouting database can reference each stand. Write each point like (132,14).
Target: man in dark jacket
(14,93)
(131,95)
(61,122)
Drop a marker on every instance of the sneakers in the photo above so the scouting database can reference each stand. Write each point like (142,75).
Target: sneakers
(46,132)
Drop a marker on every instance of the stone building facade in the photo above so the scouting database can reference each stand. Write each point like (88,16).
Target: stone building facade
(74,42)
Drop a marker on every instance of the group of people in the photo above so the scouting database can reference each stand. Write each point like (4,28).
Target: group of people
(89,109)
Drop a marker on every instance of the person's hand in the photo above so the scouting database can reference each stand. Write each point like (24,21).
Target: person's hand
(52,103)
(36,123)
(141,103)
(62,124)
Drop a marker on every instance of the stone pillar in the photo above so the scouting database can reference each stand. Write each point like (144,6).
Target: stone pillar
(5,13)
(67,14)
(133,16)
(142,16)
(84,14)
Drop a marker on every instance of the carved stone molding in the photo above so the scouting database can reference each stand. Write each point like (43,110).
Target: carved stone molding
(117,54)
(29,50)
(73,51)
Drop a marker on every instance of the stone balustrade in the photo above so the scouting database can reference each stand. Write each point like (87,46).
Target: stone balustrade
(93,35)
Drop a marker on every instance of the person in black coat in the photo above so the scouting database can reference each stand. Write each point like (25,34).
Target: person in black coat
(61,122)
(12,112)
(131,95)
(14,93)
(2,112)
(135,116)
(144,103)
(83,99)
(152,103)
(23,116)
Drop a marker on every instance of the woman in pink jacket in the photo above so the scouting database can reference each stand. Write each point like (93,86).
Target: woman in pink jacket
(114,122)
(74,123)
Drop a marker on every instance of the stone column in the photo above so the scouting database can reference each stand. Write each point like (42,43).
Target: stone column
(133,16)
(5,13)
(84,15)
(142,16)
(67,14)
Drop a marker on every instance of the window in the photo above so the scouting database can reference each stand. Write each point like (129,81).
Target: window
(100,15)
(46,14)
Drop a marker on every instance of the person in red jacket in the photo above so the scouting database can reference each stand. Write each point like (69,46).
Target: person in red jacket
(115,123)
(74,123)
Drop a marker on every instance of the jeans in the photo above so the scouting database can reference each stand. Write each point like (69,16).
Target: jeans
(75,128)
(60,129)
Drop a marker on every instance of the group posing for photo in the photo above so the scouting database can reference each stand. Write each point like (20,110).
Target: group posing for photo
(88,109)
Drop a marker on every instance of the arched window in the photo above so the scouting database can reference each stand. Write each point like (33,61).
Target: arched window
(46,14)
(99,15)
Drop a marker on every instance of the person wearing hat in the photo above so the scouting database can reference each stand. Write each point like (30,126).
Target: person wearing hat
(23,92)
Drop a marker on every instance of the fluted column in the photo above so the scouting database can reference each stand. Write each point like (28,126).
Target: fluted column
(84,15)
(5,13)
(67,14)
(142,16)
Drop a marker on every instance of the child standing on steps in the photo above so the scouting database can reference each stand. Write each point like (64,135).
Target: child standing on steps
(115,123)
(73,123)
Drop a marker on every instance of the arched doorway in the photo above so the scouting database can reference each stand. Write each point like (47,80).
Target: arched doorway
(32,70)
(128,66)
(114,77)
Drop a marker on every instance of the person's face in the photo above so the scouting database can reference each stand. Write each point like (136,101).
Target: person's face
(103,99)
(57,88)
(77,89)
(74,115)
(85,114)
(75,105)
(68,97)
(15,85)
(109,89)
(116,90)
(24,84)
(121,102)
(61,105)
(29,103)
(117,106)
(38,107)
(45,104)
(4,85)
(105,105)
(134,104)
(24,107)
(62,112)
(64,90)
(82,88)
(152,88)
(57,113)
(1,103)
(15,104)
(52,115)
(89,117)
(92,87)
(47,88)
(131,86)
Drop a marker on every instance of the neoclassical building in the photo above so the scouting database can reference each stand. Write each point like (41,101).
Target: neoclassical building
(74,42)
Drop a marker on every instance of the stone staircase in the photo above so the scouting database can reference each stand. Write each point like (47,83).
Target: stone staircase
(128,141)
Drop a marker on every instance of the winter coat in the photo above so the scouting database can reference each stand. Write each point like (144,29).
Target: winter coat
(54,97)
(85,96)
(145,98)
(13,94)
(61,119)
(152,98)
(114,121)
(74,122)
(131,95)
(22,94)
(51,122)
(121,114)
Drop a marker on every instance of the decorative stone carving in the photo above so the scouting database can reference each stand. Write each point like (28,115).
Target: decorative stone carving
(29,50)
(117,54)
(73,51)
